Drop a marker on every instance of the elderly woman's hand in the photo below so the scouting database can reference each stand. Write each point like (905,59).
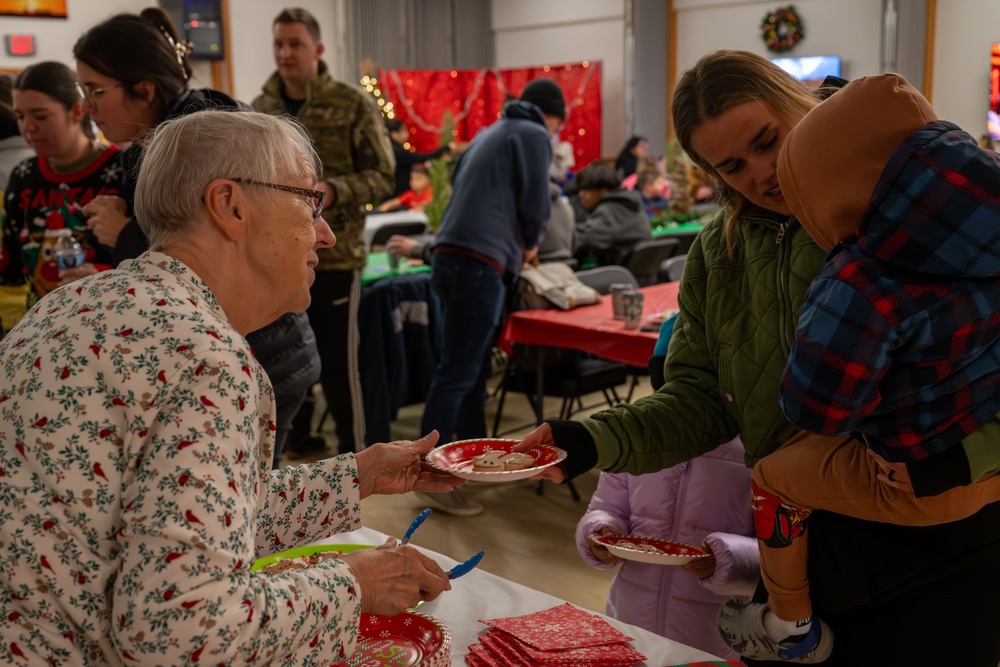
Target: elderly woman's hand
(106,218)
(398,467)
(393,579)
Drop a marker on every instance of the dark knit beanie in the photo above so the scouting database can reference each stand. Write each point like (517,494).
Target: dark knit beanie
(546,95)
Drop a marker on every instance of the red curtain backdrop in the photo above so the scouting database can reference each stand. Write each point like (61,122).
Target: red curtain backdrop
(475,98)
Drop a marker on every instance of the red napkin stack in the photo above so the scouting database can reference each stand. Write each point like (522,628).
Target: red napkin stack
(562,636)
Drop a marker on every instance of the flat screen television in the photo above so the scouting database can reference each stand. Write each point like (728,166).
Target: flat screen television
(199,22)
(810,70)
(993,115)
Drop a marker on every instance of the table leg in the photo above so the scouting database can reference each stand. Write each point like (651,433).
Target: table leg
(540,387)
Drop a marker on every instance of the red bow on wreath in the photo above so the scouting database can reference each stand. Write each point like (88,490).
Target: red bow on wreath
(782,29)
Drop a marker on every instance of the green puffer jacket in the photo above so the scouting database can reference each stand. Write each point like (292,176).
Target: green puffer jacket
(353,145)
(727,353)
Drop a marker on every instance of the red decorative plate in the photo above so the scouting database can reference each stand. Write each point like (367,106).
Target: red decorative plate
(456,458)
(404,640)
(650,549)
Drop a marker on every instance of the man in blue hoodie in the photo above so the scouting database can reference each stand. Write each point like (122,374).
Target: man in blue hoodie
(496,216)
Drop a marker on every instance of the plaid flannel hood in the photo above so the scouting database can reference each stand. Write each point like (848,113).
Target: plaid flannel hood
(899,334)
(874,162)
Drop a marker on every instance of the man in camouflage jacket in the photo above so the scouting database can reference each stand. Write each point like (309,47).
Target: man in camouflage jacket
(359,168)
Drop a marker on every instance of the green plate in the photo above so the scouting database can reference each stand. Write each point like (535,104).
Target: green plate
(298,552)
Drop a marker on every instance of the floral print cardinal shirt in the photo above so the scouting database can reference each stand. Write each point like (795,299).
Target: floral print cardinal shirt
(136,433)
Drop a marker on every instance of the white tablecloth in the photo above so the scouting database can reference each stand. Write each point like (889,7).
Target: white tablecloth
(480,594)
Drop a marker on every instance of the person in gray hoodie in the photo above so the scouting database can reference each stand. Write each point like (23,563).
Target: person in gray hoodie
(615,220)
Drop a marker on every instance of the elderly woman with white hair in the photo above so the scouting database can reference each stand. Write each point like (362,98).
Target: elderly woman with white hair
(136,432)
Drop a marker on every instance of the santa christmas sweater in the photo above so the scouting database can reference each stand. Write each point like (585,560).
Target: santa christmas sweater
(38,203)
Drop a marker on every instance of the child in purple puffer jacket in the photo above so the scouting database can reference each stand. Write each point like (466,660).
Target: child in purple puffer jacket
(703,501)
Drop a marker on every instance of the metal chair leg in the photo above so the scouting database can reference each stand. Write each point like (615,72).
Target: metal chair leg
(499,412)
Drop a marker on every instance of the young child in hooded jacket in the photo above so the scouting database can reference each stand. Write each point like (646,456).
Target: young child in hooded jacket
(702,502)
(895,365)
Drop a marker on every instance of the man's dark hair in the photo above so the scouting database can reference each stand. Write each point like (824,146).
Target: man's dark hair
(597,175)
(299,15)
(394,124)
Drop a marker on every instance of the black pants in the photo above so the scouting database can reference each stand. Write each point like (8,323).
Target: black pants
(897,595)
(333,315)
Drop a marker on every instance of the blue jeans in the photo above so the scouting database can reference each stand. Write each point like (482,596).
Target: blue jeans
(471,295)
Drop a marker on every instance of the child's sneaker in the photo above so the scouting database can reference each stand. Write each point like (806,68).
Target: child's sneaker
(741,625)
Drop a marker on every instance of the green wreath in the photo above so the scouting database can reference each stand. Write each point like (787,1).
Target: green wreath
(782,29)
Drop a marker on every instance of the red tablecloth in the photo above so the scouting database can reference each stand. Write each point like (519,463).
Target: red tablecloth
(592,328)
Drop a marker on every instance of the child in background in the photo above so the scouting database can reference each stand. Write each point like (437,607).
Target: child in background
(897,350)
(686,504)
(419,195)
(652,187)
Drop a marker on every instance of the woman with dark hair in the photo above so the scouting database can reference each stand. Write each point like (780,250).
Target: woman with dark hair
(892,595)
(47,193)
(628,160)
(135,72)
(615,220)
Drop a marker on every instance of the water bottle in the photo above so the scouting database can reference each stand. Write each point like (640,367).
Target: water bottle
(69,253)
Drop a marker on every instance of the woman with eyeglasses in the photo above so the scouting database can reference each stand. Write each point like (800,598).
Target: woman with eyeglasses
(135,74)
(47,193)
(136,429)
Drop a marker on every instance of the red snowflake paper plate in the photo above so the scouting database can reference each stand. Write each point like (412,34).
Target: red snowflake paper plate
(650,549)
(459,458)
(407,639)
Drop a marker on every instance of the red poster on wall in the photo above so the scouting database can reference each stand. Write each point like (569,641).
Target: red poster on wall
(475,98)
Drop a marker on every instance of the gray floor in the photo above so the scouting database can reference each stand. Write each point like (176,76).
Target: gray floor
(528,538)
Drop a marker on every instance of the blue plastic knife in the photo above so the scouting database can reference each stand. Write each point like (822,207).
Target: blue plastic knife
(416,524)
(466,567)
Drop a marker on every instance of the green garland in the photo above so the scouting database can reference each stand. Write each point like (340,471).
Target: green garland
(782,29)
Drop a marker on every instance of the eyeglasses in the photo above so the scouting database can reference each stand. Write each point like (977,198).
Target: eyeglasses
(317,196)
(93,94)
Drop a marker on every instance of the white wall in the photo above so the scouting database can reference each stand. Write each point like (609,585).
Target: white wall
(527,33)
(963,32)
(54,38)
(851,29)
